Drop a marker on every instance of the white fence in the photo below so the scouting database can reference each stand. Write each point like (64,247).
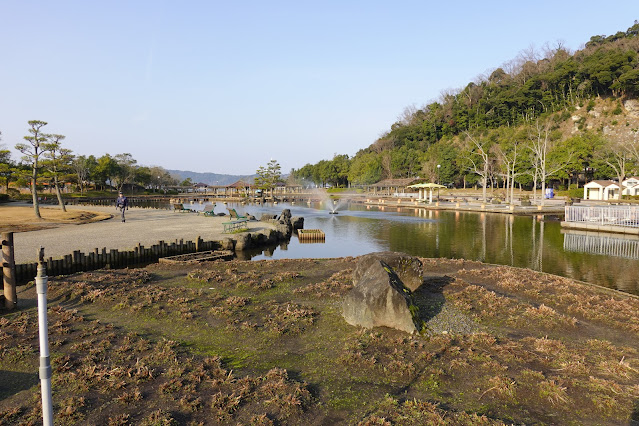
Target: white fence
(598,244)
(626,216)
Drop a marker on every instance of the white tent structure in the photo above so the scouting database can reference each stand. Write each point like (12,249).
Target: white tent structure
(422,190)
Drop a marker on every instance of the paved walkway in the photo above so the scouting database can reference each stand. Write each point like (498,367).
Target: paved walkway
(144,226)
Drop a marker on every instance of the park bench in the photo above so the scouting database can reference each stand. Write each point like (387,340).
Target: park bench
(235,225)
(208,210)
(179,207)
(235,215)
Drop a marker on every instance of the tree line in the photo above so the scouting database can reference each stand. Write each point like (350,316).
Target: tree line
(504,108)
(46,161)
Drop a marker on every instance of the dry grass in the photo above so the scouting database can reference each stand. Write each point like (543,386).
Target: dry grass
(21,218)
(262,343)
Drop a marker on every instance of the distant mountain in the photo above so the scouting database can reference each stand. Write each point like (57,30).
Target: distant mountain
(211,178)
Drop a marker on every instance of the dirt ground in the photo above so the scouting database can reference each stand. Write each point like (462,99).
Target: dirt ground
(22,218)
(264,343)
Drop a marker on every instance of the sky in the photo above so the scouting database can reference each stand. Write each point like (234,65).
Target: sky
(224,87)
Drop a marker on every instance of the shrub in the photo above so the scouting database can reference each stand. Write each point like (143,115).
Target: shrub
(617,110)
(572,193)
(591,105)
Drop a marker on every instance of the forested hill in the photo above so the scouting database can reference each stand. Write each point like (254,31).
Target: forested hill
(531,88)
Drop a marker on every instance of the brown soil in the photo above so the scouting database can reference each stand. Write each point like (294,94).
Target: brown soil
(22,218)
(264,343)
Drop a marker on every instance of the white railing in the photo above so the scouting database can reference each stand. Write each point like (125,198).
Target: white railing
(626,216)
(606,245)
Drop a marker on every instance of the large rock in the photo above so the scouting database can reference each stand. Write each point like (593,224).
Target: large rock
(379,298)
(632,108)
(243,241)
(298,222)
(409,268)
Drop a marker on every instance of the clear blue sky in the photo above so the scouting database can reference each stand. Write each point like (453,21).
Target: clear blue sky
(223,87)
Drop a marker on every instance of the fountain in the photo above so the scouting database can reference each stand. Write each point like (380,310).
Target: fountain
(334,205)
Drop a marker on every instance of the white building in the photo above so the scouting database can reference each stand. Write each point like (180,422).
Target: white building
(601,190)
(631,186)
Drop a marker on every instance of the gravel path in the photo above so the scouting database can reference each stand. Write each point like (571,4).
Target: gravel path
(144,226)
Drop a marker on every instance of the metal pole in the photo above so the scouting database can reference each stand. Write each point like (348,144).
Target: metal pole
(45,362)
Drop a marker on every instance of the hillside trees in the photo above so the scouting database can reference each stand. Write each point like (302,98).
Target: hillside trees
(366,168)
(532,87)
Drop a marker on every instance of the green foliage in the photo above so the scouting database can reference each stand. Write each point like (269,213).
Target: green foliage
(617,109)
(572,193)
(539,88)
(268,177)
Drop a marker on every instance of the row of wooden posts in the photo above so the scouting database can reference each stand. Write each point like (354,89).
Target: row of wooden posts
(80,262)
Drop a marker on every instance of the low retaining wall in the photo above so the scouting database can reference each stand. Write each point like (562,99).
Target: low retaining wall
(114,258)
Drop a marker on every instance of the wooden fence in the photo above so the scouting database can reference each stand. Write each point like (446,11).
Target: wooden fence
(114,258)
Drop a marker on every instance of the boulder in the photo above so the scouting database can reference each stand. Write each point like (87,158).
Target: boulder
(298,222)
(409,268)
(380,298)
(632,108)
(285,216)
(227,244)
(243,241)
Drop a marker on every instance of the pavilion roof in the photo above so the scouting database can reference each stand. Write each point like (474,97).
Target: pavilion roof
(240,184)
(395,182)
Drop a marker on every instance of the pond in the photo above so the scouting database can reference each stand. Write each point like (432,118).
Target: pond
(535,242)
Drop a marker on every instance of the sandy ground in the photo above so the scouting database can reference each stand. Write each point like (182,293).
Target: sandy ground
(143,226)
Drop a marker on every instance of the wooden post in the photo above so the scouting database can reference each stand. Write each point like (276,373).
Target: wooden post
(9,271)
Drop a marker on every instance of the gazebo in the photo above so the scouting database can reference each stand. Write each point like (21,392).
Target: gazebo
(423,187)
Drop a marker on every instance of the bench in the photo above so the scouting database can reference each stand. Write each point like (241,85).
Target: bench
(235,225)
(208,210)
(235,215)
(179,207)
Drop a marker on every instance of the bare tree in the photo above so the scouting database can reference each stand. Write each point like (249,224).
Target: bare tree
(479,158)
(509,156)
(618,152)
(541,146)
(32,151)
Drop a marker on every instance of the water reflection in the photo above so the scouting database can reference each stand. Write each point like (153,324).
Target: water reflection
(604,244)
(534,242)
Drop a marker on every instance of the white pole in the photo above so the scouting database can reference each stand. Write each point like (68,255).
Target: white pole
(45,362)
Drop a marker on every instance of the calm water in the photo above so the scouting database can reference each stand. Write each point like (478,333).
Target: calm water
(530,242)
(535,242)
